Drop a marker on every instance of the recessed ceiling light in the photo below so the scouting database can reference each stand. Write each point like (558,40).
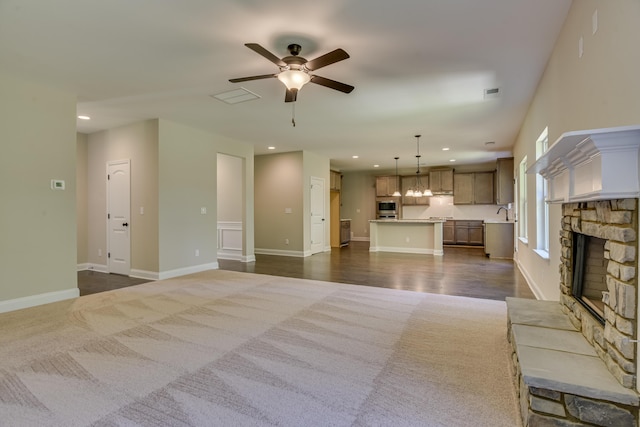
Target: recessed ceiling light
(489,143)
(452,160)
(376,166)
(84,117)
(271,148)
(355,157)
(445,149)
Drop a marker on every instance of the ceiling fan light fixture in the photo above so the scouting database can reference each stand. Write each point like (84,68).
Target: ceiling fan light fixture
(294,79)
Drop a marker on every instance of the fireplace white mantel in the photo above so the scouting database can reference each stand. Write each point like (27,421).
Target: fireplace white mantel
(597,164)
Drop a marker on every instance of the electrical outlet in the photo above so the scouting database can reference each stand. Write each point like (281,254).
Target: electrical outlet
(99,252)
(197,252)
(203,211)
(408,240)
(286,241)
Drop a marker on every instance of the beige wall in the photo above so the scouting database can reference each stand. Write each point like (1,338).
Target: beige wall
(188,164)
(38,243)
(138,143)
(358,197)
(283,181)
(230,180)
(173,175)
(279,185)
(82,191)
(601,89)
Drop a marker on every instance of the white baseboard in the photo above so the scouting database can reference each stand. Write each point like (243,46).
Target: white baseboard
(236,256)
(187,270)
(280,252)
(93,267)
(361,239)
(33,300)
(143,274)
(532,284)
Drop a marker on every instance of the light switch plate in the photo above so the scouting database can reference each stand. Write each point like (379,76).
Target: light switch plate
(57,184)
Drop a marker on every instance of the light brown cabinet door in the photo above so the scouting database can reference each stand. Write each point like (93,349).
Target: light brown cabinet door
(386,185)
(504,181)
(441,181)
(476,236)
(463,189)
(483,188)
(335,181)
(448,233)
(473,188)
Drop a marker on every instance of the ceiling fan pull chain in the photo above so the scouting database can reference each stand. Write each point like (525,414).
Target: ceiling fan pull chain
(293,114)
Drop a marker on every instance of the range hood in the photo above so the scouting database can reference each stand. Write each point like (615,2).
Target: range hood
(597,164)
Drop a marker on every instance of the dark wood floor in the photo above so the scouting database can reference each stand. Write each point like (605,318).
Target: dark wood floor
(92,282)
(461,271)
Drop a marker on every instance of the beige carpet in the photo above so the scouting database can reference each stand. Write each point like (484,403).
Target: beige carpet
(233,349)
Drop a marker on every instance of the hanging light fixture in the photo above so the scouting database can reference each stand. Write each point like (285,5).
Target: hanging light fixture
(397,192)
(418,192)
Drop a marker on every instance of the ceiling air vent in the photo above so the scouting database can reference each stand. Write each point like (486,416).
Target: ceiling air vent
(236,96)
(492,93)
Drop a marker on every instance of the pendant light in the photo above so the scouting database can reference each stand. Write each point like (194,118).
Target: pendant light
(418,192)
(397,192)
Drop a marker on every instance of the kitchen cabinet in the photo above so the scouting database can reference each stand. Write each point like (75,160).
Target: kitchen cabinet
(473,188)
(448,233)
(335,181)
(441,181)
(345,232)
(499,241)
(469,233)
(504,181)
(386,185)
(463,232)
(410,182)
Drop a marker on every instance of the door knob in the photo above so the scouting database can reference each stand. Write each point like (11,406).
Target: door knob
(125,224)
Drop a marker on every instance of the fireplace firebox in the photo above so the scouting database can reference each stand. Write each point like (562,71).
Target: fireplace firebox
(589,284)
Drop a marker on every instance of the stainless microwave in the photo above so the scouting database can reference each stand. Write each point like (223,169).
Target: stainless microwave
(387,207)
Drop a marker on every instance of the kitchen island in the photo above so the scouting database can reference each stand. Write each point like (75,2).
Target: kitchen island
(416,236)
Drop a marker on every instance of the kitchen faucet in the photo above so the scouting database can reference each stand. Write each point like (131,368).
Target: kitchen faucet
(506,212)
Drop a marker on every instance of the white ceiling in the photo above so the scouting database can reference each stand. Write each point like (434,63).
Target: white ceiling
(418,67)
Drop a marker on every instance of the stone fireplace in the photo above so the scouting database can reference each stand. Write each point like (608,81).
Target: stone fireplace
(614,222)
(576,361)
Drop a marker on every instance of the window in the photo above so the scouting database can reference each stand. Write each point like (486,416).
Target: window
(542,208)
(522,200)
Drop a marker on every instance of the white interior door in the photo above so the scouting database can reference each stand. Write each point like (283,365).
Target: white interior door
(119,217)
(317,215)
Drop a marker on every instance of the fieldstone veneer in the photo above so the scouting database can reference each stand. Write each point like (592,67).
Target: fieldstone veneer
(615,221)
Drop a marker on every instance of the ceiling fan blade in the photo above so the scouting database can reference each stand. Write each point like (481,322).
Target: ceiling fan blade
(342,87)
(245,79)
(291,95)
(326,59)
(264,52)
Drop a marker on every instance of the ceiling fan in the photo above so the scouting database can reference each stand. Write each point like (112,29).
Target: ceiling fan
(295,71)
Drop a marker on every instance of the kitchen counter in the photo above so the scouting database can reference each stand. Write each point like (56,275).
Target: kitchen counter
(418,236)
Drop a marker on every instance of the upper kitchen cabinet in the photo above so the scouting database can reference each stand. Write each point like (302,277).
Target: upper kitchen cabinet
(335,179)
(473,188)
(441,181)
(386,185)
(504,181)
